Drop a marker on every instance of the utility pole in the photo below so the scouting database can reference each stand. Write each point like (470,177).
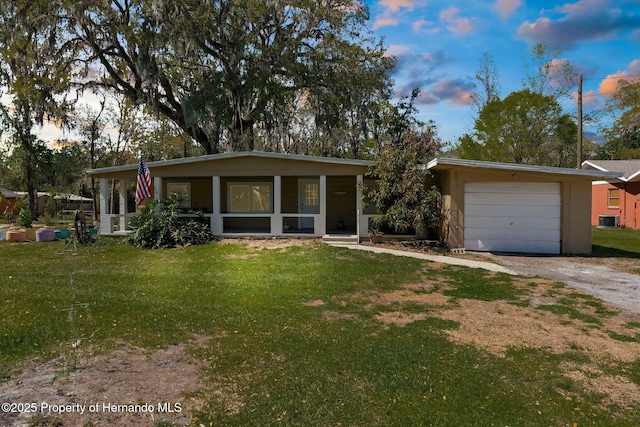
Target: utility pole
(579,156)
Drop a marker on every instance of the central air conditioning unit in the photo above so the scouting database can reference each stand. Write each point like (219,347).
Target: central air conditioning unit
(608,220)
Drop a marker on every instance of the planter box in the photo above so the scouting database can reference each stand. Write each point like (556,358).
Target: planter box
(61,234)
(31,233)
(45,235)
(16,235)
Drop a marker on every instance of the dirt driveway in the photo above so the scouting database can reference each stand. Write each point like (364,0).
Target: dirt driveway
(602,278)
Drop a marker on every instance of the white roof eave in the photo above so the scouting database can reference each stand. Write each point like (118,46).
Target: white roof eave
(236,154)
(444,162)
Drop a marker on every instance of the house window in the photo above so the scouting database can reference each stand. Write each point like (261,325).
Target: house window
(614,197)
(249,197)
(311,194)
(183,190)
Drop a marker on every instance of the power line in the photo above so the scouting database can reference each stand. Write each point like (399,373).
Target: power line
(614,77)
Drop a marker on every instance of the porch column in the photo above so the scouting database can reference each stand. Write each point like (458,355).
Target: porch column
(123,205)
(276,218)
(321,227)
(157,188)
(359,216)
(106,222)
(216,220)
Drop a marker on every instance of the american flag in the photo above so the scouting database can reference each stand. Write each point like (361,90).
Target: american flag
(143,187)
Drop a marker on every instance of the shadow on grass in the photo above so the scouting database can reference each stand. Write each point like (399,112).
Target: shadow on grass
(599,251)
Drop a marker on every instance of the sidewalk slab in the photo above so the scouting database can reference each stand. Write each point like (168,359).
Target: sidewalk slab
(435,258)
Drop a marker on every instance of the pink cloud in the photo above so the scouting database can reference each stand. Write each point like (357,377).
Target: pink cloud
(460,26)
(397,49)
(454,91)
(609,85)
(395,5)
(462,97)
(456,25)
(385,21)
(583,6)
(418,24)
(506,7)
(448,14)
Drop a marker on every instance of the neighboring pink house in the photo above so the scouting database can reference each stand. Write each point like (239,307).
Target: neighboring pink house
(616,202)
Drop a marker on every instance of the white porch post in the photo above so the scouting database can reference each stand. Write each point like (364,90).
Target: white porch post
(157,191)
(123,205)
(276,218)
(359,216)
(216,220)
(157,188)
(106,224)
(321,227)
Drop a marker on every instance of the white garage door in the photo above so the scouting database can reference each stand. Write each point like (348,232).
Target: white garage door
(512,217)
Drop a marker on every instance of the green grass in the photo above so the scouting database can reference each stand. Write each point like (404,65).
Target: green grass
(616,242)
(283,361)
(471,284)
(571,312)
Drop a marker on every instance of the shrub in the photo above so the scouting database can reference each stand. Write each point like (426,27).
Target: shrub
(24,218)
(159,225)
(406,193)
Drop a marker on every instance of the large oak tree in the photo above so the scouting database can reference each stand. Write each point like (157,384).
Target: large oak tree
(223,70)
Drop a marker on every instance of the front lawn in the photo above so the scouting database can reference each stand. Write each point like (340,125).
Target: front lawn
(300,333)
(616,242)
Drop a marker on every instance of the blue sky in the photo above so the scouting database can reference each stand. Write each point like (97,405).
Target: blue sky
(439,45)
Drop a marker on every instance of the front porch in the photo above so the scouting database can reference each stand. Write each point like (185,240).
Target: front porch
(248,193)
(268,206)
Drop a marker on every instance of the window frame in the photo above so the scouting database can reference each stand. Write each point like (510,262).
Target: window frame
(616,198)
(250,191)
(172,186)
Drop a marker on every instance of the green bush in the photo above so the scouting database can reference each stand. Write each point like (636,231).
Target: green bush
(159,225)
(24,218)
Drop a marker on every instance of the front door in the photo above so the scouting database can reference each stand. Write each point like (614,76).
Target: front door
(309,201)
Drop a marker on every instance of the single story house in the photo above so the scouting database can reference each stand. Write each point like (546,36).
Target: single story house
(489,206)
(71,202)
(63,202)
(252,193)
(41,200)
(616,202)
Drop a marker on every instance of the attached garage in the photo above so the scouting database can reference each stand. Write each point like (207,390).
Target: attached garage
(501,207)
(512,217)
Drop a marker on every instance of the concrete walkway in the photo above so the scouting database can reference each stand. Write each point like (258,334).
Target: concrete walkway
(435,258)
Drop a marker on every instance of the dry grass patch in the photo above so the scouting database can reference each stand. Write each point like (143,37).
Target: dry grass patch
(314,303)
(270,243)
(399,318)
(334,315)
(498,326)
(618,390)
(127,376)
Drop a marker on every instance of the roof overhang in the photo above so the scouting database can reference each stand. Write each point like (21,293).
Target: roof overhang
(234,155)
(8,193)
(633,177)
(443,164)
